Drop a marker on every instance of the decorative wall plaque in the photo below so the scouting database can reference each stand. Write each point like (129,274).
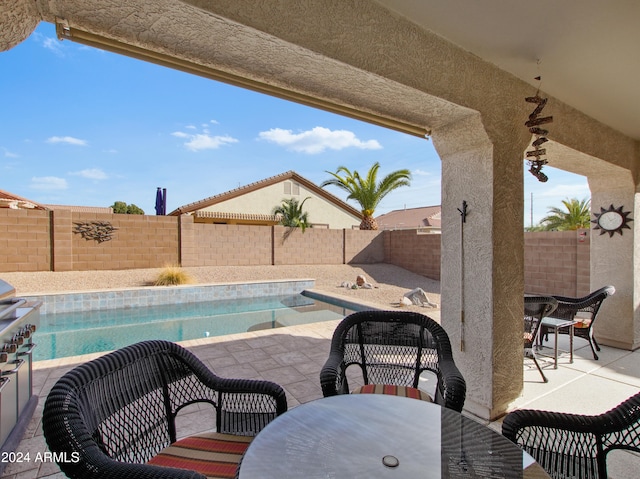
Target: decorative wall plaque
(612,220)
(99,231)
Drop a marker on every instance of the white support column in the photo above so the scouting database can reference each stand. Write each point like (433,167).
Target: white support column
(483,262)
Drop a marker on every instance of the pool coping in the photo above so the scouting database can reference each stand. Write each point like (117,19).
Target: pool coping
(67,302)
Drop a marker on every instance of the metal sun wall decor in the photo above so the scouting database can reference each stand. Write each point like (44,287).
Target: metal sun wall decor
(534,157)
(99,231)
(612,220)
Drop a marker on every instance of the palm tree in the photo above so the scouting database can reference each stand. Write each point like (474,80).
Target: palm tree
(366,190)
(577,214)
(291,214)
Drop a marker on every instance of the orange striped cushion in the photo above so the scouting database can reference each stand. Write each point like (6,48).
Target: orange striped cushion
(212,454)
(403,391)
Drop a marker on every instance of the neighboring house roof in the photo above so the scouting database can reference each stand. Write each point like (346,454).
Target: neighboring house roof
(9,200)
(289,175)
(423,217)
(81,209)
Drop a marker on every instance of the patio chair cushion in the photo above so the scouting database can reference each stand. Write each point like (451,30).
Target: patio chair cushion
(212,454)
(403,391)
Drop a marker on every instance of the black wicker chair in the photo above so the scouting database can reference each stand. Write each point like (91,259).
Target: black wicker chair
(535,308)
(584,310)
(572,445)
(393,348)
(108,417)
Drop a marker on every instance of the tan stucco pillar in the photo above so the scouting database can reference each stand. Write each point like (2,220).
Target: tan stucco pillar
(18,19)
(615,260)
(483,261)
(610,169)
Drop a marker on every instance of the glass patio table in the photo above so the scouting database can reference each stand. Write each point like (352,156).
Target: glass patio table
(381,436)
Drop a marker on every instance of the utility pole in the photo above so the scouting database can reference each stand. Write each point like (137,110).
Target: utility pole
(531,209)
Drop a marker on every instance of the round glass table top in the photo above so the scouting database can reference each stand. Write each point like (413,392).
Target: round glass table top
(381,436)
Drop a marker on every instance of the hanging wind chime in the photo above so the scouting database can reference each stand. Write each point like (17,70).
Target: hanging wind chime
(535,156)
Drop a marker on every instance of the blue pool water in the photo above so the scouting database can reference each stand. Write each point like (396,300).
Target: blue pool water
(83,332)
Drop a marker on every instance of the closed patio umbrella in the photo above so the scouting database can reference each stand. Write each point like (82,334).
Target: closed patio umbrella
(160,202)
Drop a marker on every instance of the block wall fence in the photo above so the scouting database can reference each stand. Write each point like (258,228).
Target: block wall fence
(35,240)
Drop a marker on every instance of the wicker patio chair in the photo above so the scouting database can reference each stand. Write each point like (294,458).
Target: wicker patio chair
(535,308)
(572,445)
(584,310)
(393,348)
(110,417)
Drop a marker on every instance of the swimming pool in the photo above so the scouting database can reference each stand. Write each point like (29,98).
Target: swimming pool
(82,332)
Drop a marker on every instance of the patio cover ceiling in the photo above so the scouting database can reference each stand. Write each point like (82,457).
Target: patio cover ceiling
(585,50)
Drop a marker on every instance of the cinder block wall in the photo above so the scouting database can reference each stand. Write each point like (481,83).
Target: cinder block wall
(314,246)
(557,262)
(24,240)
(419,253)
(225,245)
(35,240)
(138,241)
(363,247)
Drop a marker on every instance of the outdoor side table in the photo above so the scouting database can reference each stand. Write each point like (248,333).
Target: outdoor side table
(381,436)
(557,324)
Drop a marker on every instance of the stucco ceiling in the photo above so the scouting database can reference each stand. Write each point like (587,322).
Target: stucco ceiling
(586,51)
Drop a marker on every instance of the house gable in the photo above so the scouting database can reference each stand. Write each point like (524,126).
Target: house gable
(254,204)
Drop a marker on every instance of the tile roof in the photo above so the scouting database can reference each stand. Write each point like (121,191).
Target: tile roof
(289,175)
(81,209)
(9,200)
(425,216)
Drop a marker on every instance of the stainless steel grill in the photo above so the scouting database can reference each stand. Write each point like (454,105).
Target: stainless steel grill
(19,319)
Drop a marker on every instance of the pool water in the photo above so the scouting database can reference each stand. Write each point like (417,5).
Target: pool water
(83,332)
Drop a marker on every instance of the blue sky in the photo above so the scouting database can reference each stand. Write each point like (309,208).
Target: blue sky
(86,127)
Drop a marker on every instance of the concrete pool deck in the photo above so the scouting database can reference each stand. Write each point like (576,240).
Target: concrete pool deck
(293,357)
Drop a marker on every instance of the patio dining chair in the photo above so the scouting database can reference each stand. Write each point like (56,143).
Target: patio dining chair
(115,416)
(584,310)
(391,349)
(535,308)
(573,445)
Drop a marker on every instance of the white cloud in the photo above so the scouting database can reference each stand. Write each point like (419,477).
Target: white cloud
(91,174)
(203,141)
(419,172)
(69,140)
(9,154)
(317,140)
(48,183)
(207,142)
(53,45)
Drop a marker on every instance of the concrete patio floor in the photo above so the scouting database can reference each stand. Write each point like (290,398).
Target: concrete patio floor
(292,357)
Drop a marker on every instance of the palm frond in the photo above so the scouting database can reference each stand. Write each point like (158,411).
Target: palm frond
(365,189)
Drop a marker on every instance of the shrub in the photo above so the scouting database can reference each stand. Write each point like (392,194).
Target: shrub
(173,275)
